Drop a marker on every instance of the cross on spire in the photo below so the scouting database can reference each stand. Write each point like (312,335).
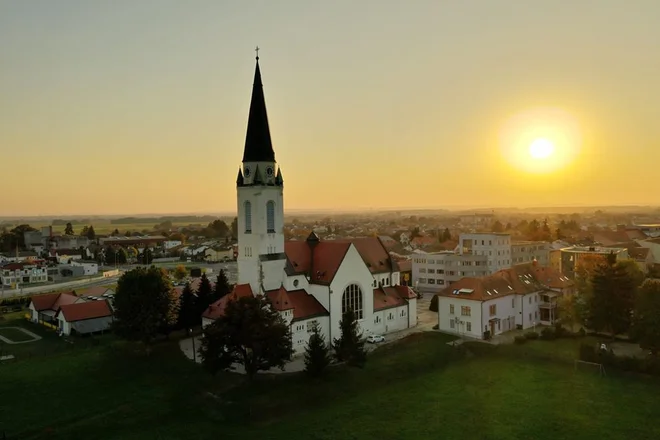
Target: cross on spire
(257,51)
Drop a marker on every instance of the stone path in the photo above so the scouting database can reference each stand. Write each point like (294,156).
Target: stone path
(35,337)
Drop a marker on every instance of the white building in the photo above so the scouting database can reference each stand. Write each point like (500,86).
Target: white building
(435,271)
(528,251)
(71,314)
(309,281)
(15,274)
(495,246)
(89,267)
(519,297)
(170,244)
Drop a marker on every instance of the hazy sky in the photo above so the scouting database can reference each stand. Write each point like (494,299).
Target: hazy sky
(136,106)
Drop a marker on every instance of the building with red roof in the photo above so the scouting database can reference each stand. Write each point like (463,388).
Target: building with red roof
(521,296)
(311,282)
(70,314)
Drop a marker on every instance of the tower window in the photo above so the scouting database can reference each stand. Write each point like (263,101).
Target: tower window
(248,217)
(270,216)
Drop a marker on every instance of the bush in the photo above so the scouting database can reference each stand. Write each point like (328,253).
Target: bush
(582,332)
(531,335)
(487,335)
(519,340)
(436,327)
(561,332)
(548,334)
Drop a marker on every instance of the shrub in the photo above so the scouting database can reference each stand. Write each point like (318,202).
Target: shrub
(487,335)
(436,327)
(519,340)
(561,332)
(548,334)
(582,332)
(531,335)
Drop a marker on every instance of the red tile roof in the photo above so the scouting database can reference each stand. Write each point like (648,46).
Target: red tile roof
(217,309)
(386,298)
(85,310)
(373,253)
(280,299)
(479,289)
(405,292)
(52,301)
(328,256)
(305,306)
(405,265)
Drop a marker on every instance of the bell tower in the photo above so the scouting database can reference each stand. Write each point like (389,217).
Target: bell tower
(260,189)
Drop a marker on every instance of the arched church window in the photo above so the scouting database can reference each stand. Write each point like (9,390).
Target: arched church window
(352,299)
(248,217)
(270,216)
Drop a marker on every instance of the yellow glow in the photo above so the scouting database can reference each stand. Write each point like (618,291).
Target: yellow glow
(541,148)
(540,140)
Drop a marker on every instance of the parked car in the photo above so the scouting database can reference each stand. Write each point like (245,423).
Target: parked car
(374,339)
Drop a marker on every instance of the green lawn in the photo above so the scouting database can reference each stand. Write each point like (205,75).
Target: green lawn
(14,334)
(416,389)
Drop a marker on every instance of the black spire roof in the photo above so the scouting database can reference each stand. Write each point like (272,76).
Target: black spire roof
(258,146)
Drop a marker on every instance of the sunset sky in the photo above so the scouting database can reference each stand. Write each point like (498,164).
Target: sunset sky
(140,106)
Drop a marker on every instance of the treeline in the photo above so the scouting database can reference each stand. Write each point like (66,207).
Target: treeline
(173,219)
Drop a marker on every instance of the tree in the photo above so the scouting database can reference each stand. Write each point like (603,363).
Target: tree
(84,231)
(222,286)
(633,270)
(147,256)
(234,228)
(349,347)
(144,304)
(646,325)
(317,353)
(497,226)
(204,294)
(218,228)
(559,234)
(446,235)
(509,226)
(90,233)
(568,311)
(188,316)
(250,333)
(415,232)
(180,272)
(611,302)
(68,230)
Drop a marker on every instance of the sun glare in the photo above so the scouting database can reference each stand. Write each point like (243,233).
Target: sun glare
(541,148)
(540,140)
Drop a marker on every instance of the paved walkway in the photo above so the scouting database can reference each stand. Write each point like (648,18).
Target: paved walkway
(34,336)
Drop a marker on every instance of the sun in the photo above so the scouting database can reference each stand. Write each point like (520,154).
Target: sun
(541,148)
(542,140)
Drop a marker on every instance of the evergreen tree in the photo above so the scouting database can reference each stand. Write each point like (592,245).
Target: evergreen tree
(446,235)
(646,326)
(222,286)
(349,347)
(144,304)
(497,226)
(188,310)
(204,294)
(90,233)
(612,295)
(68,230)
(317,353)
(250,333)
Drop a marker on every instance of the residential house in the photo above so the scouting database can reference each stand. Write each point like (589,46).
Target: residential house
(84,317)
(13,275)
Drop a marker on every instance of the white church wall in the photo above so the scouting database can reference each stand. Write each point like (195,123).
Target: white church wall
(273,273)
(321,293)
(352,271)
(412,312)
(296,282)
(302,330)
(395,319)
(379,322)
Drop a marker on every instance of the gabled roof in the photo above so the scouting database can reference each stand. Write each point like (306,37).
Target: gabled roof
(85,310)
(217,309)
(479,289)
(280,299)
(258,144)
(373,253)
(639,253)
(52,301)
(328,256)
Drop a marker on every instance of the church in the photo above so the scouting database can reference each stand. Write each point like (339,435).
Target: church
(313,281)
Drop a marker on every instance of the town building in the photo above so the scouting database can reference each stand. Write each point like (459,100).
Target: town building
(528,251)
(70,314)
(571,256)
(314,281)
(13,275)
(519,297)
(140,242)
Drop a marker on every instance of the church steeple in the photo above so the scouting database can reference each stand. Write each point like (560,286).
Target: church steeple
(258,145)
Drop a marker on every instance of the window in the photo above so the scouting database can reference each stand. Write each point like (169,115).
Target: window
(375,283)
(493,309)
(468,326)
(270,216)
(440,281)
(513,302)
(451,309)
(422,270)
(431,280)
(295,283)
(530,299)
(422,280)
(431,271)
(451,323)
(390,316)
(403,312)
(530,316)
(248,217)
(465,311)
(311,325)
(377,320)
(352,299)
(536,315)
